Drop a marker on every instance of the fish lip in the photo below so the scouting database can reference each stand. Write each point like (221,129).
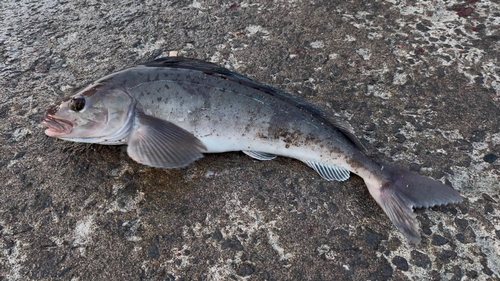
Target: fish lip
(57,127)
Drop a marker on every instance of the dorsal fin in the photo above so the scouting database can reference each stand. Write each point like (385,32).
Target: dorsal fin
(347,129)
(188,63)
(213,69)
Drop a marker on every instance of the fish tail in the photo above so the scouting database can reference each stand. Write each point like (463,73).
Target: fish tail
(398,191)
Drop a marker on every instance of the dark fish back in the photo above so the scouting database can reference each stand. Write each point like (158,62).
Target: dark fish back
(223,73)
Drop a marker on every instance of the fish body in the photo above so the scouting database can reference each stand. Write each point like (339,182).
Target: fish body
(173,110)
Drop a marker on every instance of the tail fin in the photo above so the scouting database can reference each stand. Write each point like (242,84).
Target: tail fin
(402,190)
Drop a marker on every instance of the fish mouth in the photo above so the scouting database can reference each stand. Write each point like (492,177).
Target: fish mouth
(57,127)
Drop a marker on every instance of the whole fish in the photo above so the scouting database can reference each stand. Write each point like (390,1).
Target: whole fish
(171,111)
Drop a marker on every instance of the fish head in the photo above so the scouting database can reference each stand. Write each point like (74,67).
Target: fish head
(94,115)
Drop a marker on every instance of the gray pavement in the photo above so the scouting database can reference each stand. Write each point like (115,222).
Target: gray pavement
(418,80)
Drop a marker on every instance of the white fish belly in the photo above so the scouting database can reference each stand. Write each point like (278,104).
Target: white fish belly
(279,147)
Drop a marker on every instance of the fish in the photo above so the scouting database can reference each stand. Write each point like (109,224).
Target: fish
(171,111)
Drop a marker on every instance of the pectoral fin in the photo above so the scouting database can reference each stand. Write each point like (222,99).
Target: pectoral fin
(159,143)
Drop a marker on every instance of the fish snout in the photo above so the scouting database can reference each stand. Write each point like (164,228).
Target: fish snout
(56,127)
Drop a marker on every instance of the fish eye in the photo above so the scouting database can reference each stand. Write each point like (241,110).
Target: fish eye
(77,104)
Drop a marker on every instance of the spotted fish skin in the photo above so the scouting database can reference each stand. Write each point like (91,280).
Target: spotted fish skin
(173,110)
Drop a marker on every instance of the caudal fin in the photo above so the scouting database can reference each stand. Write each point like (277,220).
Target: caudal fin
(402,190)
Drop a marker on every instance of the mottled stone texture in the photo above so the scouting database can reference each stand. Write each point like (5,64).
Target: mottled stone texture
(418,80)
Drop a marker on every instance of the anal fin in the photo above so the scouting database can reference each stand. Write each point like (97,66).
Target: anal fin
(259,155)
(329,173)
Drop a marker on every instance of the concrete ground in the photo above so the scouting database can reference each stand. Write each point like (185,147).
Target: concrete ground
(418,80)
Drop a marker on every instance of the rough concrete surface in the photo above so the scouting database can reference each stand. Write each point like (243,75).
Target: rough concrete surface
(418,80)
